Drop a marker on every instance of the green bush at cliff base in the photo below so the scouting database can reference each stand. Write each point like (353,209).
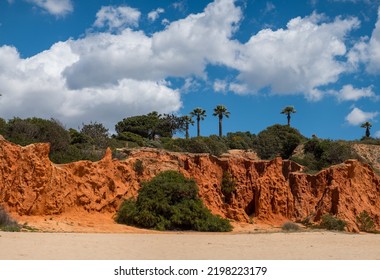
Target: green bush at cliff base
(7,223)
(365,222)
(332,223)
(170,202)
(290,226)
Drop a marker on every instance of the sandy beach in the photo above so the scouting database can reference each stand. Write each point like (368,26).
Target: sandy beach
(189,246)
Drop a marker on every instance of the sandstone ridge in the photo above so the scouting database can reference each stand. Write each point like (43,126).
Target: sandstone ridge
(267,191)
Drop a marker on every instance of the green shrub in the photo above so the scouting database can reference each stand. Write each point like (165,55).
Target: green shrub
(365,222)
(369,140)
(170,202)
(212,145)
(309,161)
(320,154)
(131,137)
(277,140)
(6,222)
(228,186)
(138,166)
(215,145)
(332,223)
(290,226)
(240,140)
(75,153)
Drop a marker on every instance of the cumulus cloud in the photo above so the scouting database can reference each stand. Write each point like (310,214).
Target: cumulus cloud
(36,87)
(154,15)
(54,7)
(367,51)
(240,89)
(183,49)
(373,51)
(298,59)
(186,46)
(180,5)
(220,85)
(106,76)
(349,93)
(357,116)
(116,18)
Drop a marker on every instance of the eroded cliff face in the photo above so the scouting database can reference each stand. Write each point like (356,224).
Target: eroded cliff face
(267,191)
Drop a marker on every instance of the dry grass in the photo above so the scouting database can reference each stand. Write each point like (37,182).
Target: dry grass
(6,222)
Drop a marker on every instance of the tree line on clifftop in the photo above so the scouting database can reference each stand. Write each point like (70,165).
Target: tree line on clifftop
(157,130)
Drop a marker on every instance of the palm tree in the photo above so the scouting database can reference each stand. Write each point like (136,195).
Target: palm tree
(288,110)
(221,111)
(200,114)
(187,120)
(367,126)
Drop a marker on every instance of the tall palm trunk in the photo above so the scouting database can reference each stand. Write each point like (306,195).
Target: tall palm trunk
(220,126)
(198,126)
(288,119)
(187,130)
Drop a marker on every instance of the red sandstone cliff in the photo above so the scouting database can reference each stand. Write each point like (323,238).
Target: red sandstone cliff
(268,191)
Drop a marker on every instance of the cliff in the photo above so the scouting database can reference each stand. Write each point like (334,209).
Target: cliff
(267,191)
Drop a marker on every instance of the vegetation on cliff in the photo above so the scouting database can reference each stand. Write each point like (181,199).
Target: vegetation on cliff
(170,202)
(318,154)
(155,130)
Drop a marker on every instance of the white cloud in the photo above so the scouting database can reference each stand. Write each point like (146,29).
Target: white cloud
(179,5)
(367,51)
(298,59)
(373,51)
(54,7)
(117,18)
(107,76)
(377,134)
(357,116)
(349,93)
(186,46)
(37,87)
(295,60)
(165,21)
(240,89)
(154,15)
(106,58)
(190,84)
(182,49)
(220,86)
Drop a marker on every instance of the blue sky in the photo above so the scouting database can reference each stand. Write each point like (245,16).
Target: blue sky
(81,61)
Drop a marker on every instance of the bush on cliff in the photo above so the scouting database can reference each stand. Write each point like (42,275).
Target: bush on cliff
(170,202)
(213,145)
(228,186)
(319,154)
(277,140)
